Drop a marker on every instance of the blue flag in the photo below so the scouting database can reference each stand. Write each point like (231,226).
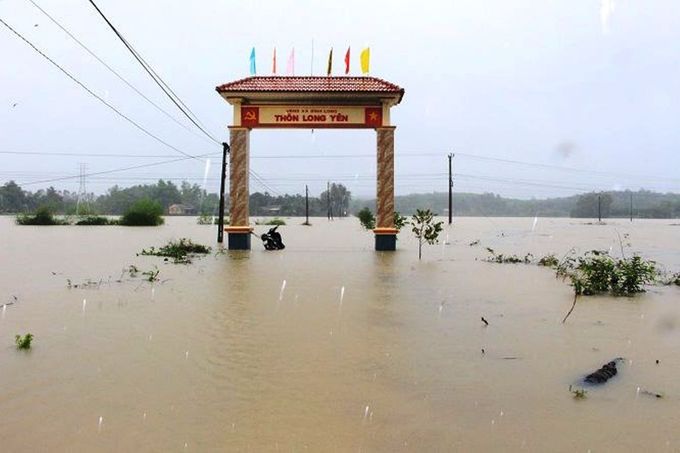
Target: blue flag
(252,62)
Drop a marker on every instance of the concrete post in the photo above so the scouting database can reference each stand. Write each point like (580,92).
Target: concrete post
(385,233)
(239,164)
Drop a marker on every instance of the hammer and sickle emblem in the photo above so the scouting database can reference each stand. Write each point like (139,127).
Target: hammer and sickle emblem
(250,116)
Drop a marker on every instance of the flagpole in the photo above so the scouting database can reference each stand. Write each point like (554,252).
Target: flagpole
(311,63)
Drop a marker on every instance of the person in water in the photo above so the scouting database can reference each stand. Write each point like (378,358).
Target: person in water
(272,240)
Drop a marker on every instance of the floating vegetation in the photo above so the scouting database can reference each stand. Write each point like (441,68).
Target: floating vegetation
(87,284)
(43,216)
(507,259)
(274,222)
(473,243)
(548,261)
(579,394)
(144,212)
(95,220)
(597,272)
(180,251)
(152,275)
(23,342)
(132,270)
(673,279)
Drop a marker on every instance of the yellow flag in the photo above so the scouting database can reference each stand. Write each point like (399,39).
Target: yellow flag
(365,60)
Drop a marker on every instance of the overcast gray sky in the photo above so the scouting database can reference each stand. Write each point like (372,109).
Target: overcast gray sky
(592,85)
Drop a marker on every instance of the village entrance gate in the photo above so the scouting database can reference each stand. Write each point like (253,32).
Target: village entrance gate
(312,103)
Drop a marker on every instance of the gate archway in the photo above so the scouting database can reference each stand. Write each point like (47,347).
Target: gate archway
(315,102)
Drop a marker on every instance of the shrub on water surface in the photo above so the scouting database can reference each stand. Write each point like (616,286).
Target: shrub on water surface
(144,212)
(179,251)
(275,222)
(366,218)
(90,220)
(42,216)
(23,342)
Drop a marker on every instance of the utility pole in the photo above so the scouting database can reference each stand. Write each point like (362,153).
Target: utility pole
(599,207)
(631,206)
(328,200)
(306,204)
(220,214)
(450,190)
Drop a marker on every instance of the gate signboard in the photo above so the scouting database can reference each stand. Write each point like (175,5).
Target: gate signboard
(313,116)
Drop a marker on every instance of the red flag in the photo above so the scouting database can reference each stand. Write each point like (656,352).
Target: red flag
(347,62)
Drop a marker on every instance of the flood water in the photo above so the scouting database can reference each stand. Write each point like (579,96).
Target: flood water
(330,346)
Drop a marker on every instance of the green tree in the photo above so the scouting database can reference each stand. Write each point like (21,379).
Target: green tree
(425,228)
(366,218)
(12,198)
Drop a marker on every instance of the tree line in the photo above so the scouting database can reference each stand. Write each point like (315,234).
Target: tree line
(13,200)
(338,201)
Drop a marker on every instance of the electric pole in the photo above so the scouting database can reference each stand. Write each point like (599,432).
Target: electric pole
(599,207)
(306,204)
(328,200)
(450,190)
(220,214)
(631,206)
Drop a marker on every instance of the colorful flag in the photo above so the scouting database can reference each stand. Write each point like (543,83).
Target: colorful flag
(330,62)
(347,62)
(274,62)
(290,68)
(365,60)
(252,62)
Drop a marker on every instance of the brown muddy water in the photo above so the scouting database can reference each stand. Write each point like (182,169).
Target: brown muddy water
(330,346)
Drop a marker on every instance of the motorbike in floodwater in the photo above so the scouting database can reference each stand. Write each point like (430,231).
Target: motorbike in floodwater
(272,240)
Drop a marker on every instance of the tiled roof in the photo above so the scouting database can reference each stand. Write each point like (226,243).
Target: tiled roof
(312,84)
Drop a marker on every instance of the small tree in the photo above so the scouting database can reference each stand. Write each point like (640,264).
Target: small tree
(425,228)
(144,212)
(366,218)
(399,220)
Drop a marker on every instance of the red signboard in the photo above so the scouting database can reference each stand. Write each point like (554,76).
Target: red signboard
(317,117)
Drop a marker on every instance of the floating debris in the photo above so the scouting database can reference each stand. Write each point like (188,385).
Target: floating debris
(605,373)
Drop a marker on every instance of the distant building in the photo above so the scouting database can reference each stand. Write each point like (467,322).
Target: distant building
(271,210)
(181,209)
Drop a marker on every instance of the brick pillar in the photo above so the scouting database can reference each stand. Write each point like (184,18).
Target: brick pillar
(239,164)
(385,233)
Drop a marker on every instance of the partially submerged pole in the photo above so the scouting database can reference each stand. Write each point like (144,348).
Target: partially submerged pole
(450,191)
(599,207)
(220,214)
(306,204)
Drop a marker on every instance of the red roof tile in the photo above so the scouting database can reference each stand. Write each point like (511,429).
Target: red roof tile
(312,84)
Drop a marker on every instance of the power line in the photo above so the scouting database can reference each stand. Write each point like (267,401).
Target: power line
(156,78)
(79,83)
(115,170)
(167,89)
(113,71)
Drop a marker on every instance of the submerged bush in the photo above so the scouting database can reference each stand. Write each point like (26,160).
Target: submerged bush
(275,222)
(23,342)
(366,218)
(507,259)
(42,216)
(91,220)
(144,212)
(597,272)
(179,251)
